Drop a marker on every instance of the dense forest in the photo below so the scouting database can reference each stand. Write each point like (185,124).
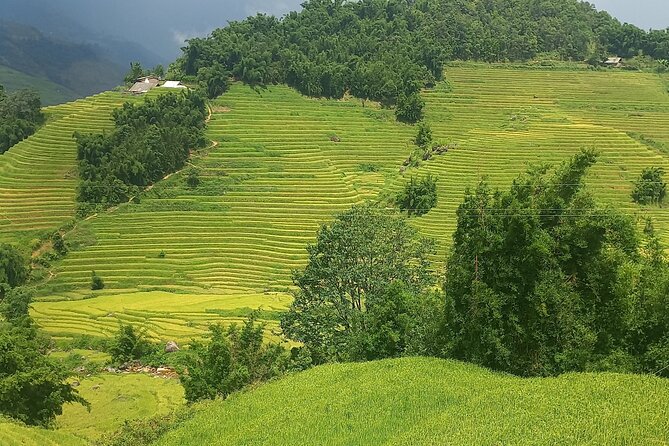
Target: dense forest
(149,141)
(387,50)
(20,116)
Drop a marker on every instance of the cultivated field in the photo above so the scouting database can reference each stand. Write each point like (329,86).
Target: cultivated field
(38,177)
(283,164)
(430,401)
(164,316)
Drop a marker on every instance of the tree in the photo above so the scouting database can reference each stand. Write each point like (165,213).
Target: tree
(33,387)
(214,80)
(136,71)
(409,108)
(424,135)
(650,187)
(418,196)
(96,282)
(14,269)
(20,117)
(354,260)
(15,307)
(129,345)
(537,279)
(231,360)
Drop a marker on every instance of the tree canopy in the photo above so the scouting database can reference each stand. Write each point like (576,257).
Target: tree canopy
(20,116)
(541,280)
(351,266)
(387,50)
(149,141)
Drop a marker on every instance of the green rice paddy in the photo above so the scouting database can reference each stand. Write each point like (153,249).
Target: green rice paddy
(417,401)
(283,164)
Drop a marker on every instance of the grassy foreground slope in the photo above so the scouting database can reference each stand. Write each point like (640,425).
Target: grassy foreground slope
(12,434)
(418,401)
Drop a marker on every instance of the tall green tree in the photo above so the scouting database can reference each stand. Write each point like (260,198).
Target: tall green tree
(537,278)
(353,262)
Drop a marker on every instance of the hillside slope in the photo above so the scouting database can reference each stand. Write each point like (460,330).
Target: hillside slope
(276,174)
(417,401)
(12,434)
(50,92)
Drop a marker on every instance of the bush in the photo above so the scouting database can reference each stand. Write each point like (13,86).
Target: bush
(409,108)
(418,196)
(650,187)
(424,136)
(130,345)
(231,360)
(59,244)
(96,282)
(14,269)
(193,179)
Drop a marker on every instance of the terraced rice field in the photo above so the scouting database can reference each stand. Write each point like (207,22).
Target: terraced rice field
(163,316)
(276,174)
(273,179)
(38,176)
(118,398)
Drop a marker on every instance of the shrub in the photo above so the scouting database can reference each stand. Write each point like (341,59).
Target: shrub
(650,187)
(409,108)
(96,282)
(59,244)
(130,345)
(193,179)
(231,360)
(13,266)
(424,135)
(418,196)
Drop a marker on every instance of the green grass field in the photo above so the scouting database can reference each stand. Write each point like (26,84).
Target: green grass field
(117,398)
(435,402)
(114,399)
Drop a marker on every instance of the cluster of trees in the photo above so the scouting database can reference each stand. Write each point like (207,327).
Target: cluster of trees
(137,71)
(20,116)
(33,387)
(150,140)
(650,187)
(540,280)
(387,50)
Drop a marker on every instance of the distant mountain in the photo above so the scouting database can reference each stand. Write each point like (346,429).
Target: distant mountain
(54,22)
(80,68)
(50,92)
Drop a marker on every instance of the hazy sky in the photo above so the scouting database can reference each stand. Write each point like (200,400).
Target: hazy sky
(643,13)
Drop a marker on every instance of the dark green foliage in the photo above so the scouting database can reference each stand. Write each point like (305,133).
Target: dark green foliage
(353,262)
(650,187)
(387,50)
(150,140)
(15,307)
(130,345)
(14,269)
(541,280)
(231,360)
(136,72)
(33,387)
(97,283)
(418,196)
(193,179)
(424,135)
(214,80)
(409,108)
(59,244)
(20,117)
